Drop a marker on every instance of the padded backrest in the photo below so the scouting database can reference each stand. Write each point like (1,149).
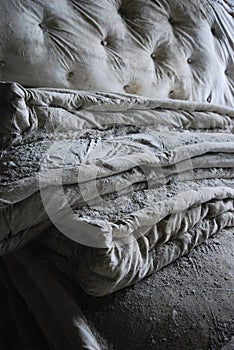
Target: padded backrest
(181,49)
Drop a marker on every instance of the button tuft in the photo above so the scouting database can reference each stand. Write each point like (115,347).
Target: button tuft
(126,87)
(170,20)
(171,93)
(213,31)
(120,12)
(70,74)
(42,26)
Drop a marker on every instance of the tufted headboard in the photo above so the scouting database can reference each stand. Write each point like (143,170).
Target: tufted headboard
(179,49)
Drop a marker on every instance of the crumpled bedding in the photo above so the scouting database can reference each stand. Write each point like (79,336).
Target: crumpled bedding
(119,185)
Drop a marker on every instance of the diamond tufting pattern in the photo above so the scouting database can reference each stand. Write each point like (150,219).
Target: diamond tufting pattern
(156,48)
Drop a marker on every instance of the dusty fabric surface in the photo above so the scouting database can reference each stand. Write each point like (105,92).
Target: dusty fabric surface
(120,185)
(155,48)
(136,184)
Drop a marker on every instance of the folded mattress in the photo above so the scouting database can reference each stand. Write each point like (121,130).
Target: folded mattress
(117,186)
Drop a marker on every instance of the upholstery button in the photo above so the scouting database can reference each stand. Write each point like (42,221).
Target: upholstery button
(153,55)
(170,20)
(42,26)
(126,87)
(2,63)
(70,74)
(189,60)
(209,99)
(171,94)
(213,31)
(120,12)
(104,43)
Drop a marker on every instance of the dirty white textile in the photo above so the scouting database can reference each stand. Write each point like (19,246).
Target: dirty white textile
(113,185)
(122,184)
(129,183)
(156,48)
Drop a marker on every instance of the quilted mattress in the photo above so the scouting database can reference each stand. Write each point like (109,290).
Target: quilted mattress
(116,185)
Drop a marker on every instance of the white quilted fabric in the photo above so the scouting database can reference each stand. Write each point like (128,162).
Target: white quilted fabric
(155,48)
(145,178)
(179,57)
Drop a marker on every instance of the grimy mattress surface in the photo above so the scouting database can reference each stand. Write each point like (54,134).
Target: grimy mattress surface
(119,185)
